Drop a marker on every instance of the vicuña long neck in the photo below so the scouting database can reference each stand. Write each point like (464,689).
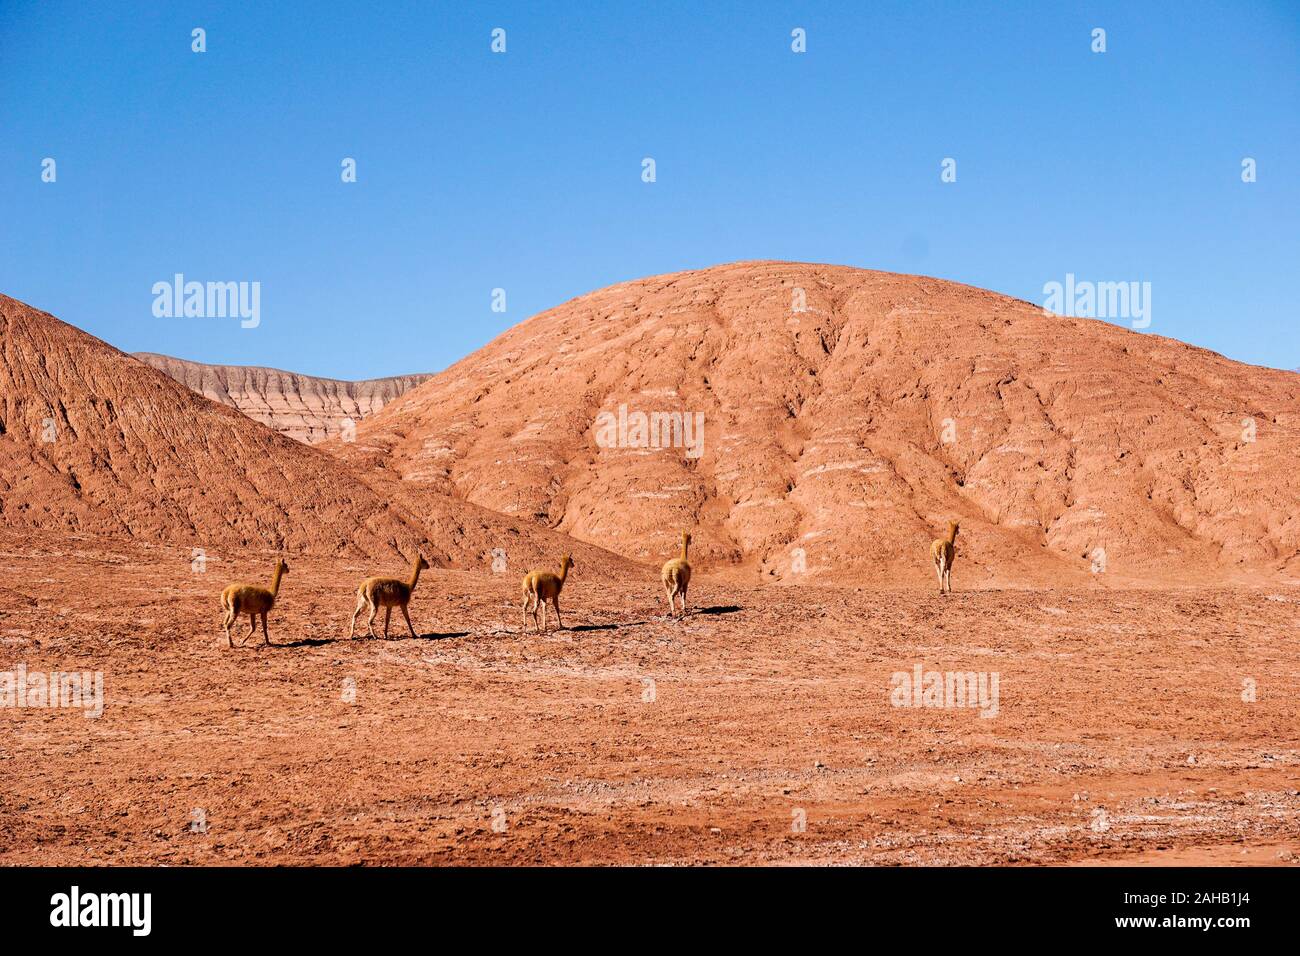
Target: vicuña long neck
(564,571)
(275,579)
(415,574)
(952,534)
(685,545)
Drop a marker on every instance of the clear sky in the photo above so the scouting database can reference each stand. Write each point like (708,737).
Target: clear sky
(522,170)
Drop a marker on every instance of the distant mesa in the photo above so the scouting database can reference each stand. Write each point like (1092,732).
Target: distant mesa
(304,407)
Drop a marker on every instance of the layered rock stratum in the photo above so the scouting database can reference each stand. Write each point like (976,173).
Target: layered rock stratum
(304,407)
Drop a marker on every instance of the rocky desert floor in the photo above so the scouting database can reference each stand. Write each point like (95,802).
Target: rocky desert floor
(758,730)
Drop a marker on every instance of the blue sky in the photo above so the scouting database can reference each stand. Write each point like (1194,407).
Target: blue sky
(522,171)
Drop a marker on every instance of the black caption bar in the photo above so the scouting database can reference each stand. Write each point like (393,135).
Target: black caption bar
(137,906)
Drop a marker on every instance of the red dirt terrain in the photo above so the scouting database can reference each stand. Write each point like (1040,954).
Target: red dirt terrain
(1121,733)
(1145,712)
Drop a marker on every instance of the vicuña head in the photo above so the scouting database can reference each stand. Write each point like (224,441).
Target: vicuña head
(542,586)
(374,593)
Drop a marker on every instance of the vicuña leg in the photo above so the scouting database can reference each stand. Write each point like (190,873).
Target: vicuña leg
(406,615)
(266,638)
(352,628)
(556,601)
(388,613)
(370,624)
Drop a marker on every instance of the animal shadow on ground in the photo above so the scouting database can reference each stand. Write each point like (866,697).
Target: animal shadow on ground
(431,636)
(720,609)
(305,642)
(446,635)
(321,641)
(603,627)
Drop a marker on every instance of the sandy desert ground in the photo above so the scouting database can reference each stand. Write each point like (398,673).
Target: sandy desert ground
(1121,734)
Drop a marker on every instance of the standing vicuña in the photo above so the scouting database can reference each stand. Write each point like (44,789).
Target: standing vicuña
(249,599)
(677,578)
(543,586)
(387,593)
(943,551)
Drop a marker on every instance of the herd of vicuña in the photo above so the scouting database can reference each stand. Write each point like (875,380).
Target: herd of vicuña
(539,588)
